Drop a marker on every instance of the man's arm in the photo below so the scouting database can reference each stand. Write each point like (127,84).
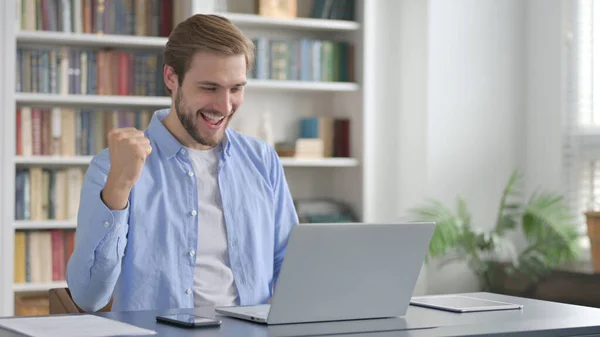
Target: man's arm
(101,237)
(285,212)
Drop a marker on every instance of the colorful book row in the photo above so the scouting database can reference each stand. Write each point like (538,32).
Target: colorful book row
(42,256)
(47,193)
(333,9)
(70,132)
(334,134)
(125,17)
(101,72)
(303,60)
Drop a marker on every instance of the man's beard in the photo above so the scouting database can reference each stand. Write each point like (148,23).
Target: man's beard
(188,120)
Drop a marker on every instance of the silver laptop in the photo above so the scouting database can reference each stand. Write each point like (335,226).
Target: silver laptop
(347,271)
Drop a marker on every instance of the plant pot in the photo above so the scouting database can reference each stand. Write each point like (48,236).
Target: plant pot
(593,229)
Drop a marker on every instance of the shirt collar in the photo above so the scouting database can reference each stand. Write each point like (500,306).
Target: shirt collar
(168,144)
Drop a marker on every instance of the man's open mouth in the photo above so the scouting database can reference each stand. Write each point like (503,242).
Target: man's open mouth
(212,119)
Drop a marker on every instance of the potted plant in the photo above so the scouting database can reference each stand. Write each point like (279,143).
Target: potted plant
(592,217)
(544,220)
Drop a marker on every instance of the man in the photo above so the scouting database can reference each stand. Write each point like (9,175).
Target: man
(187,213)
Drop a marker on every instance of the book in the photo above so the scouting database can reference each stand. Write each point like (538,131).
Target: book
(68,132)
(123,17)
(303,60)
(75,71)
(333,134)
(41,256)
(48,194)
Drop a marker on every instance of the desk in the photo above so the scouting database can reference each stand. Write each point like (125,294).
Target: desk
(538,318)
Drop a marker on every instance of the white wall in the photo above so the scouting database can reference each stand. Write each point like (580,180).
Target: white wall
(452,84)
(545,101)
(395,91)
(475,111)
(3,279)
(381,99)
(7,64)
(412,118)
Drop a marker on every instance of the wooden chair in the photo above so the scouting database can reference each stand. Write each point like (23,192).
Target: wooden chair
(62,303)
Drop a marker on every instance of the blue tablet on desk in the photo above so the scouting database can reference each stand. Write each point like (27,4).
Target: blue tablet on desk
(462,303)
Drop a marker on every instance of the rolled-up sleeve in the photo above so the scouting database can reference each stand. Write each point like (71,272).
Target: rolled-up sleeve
(101,236)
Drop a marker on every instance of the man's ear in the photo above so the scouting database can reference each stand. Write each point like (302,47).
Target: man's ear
(171,80)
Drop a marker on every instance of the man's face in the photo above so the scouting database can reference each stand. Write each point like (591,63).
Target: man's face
(211,92)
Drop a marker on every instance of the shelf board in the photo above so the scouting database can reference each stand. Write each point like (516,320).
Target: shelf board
(47,224)
(53,160)
(107,101)
(89,40)
(85,160)
(319,162)
(98,101)
(253,20)
(37,287)
(301,85)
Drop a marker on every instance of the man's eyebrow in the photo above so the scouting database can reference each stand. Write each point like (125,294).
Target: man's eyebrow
(214,84)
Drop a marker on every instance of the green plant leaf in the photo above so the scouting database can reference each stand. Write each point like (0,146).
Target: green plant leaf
(447,228)
(545,220)
(463,211)
(508,209)
(548,227)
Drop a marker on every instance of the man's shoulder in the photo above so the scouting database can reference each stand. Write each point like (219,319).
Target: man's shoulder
(101,159)
(250,145)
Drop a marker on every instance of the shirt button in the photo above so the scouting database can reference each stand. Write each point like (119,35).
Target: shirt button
(194,213)
(117,225)
(192,253)
(106,224)
(188,291)
(190,173)
(182,151)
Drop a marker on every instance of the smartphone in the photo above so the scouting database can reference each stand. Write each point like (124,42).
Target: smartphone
(188,320)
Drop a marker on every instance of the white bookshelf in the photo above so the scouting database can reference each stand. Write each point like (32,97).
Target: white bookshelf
(52,160)
(93,101)
(37,287)
(89,40)
(85,160)
(243,20)
(44,224)
(302,86)
(337,178)
(319,162)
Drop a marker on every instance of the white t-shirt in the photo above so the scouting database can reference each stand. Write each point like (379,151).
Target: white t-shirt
(213,279)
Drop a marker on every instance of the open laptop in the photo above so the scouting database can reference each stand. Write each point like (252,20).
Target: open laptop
(344,271)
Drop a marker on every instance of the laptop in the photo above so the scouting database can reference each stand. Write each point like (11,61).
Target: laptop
(344,271)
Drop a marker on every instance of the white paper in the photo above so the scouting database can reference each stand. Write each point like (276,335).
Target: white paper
(71,326)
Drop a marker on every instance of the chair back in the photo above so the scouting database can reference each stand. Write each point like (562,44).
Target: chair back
(62,303)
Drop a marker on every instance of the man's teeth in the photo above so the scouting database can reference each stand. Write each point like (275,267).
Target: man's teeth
(213,117)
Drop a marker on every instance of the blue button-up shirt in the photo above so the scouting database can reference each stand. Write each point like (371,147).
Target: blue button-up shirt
(141,255)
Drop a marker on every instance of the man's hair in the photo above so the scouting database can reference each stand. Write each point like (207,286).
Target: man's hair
(209,33)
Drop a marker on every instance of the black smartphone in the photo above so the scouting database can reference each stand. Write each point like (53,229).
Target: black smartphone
(188,320)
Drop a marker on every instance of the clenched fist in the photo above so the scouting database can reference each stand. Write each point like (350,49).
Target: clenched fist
(128,149)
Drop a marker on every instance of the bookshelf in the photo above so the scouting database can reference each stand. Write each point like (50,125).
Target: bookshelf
(286,100)
(106,101)
(48,224)
(37,287)
(85,160)
(251,20)
(89,40)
